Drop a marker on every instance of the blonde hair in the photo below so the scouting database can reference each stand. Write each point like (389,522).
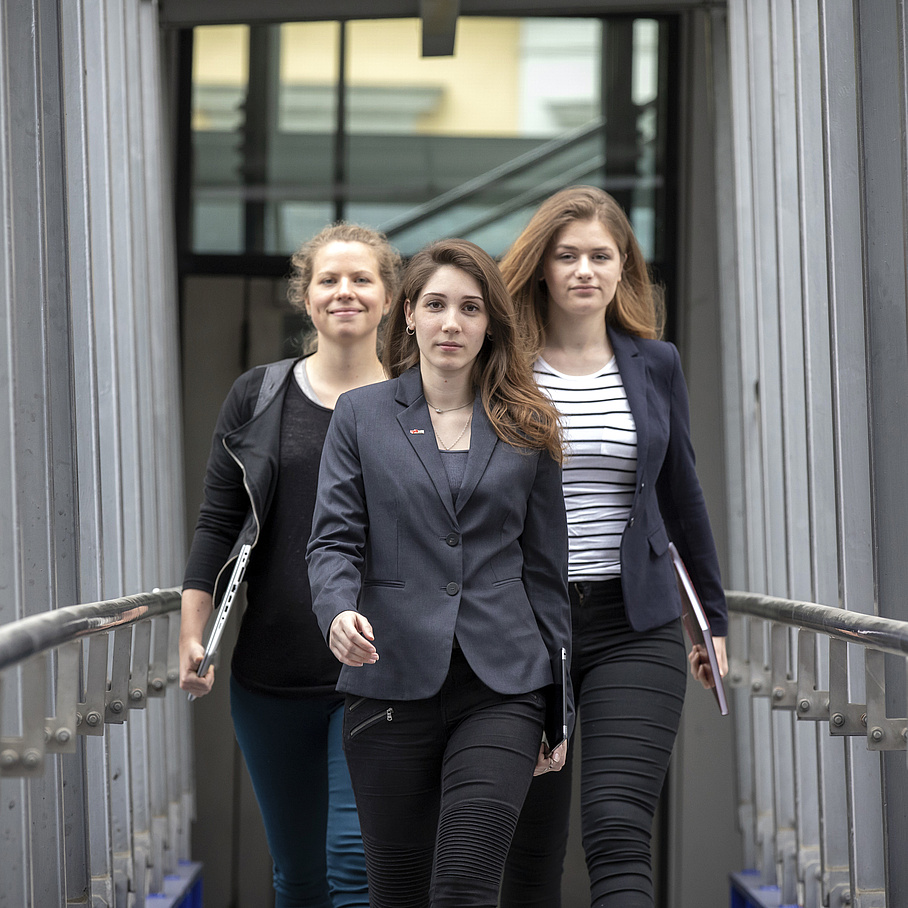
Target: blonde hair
(303,261)
(502,372)
(637,307)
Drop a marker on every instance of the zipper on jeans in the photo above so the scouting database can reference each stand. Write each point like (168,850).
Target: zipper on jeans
(387,716)
(356,704)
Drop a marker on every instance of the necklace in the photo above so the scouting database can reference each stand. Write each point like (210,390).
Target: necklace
(466,425)
(450,409)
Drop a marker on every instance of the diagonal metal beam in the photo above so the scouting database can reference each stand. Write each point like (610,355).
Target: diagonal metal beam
(439,26)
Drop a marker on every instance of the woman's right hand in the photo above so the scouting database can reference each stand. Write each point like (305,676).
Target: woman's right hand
(195,611)
(191,654)
(550,760)
(350,638)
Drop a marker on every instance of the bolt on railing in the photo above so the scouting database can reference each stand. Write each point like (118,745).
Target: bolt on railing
(805,825)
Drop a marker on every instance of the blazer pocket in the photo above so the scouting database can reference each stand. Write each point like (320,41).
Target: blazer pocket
(391,584)
(658,541)
(505,582)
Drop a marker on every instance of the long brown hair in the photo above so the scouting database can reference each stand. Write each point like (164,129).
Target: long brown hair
(637,307)
(502,372)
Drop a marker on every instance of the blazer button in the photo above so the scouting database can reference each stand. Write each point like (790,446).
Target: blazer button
(630,522)
(452,589)
(452,539)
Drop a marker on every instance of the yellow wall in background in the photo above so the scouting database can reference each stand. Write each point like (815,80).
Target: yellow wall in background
(221,55)
(479,84)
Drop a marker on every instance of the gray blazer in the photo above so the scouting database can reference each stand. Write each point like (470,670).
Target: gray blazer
(389,541)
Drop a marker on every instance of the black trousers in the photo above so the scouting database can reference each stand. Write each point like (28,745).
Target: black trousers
(439,784)
(629,689)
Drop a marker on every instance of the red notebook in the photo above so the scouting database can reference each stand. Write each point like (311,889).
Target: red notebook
(697,626)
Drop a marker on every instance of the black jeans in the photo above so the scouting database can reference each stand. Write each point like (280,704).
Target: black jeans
(439,784)
(629,689)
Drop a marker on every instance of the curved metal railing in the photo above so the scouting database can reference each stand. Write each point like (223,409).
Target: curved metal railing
(883,634)
(39,633)
(794,806)
(91,666)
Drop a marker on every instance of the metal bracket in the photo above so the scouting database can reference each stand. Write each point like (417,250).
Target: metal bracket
(116,696)
(173,650)
(812,703)
(784,688)
(883,733)
(157,671)
(90,712)
(138,678)
(836,889)
(760,675)
(60,730)
(846,719)
(23,757)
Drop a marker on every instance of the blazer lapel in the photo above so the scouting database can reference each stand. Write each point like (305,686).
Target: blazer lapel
(482,442)
(417,426)
(632,367)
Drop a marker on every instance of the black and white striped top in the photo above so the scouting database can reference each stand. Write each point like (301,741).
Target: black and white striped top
(600,467)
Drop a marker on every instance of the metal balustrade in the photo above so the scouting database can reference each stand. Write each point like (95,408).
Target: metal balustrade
(806,679)
(109,671)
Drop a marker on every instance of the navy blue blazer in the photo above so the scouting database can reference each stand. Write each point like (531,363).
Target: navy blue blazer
(668,501)
(389,540)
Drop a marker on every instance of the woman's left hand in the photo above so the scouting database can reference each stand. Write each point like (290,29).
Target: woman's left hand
(699,662)
(550,760)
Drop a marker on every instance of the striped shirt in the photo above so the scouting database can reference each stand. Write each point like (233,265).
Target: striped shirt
(600,466)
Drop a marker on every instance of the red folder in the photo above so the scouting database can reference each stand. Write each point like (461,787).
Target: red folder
(697,626)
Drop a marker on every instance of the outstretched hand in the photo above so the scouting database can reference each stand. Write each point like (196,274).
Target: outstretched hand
(350,639)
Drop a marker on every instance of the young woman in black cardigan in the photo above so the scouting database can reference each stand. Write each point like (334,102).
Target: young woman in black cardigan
(260,488)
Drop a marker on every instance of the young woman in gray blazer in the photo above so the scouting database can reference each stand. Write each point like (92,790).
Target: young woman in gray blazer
(438,565)
(580,282)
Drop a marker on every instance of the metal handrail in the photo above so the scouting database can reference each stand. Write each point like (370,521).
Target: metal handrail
(30,636)
(72,672)
(884,634)
(490,178)
(792,806)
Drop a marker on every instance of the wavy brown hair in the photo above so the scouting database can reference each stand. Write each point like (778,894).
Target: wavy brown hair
(502,372)
(638,305)
(303,262)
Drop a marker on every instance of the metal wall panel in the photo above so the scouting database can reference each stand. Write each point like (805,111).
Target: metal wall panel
(883,68)
(820,368)
(90,464)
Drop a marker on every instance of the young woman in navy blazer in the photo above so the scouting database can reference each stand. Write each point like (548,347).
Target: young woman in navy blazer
(438,566)
(581,285)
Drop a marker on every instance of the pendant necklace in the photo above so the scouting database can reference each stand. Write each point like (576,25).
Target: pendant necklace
(466,425)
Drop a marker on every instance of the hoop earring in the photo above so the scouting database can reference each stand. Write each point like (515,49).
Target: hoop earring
(411,330)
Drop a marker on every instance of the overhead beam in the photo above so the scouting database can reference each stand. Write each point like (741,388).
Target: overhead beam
(186,13)
(439,26)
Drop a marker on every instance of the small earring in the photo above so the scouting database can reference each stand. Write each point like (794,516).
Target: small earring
(489,335)
(411,330)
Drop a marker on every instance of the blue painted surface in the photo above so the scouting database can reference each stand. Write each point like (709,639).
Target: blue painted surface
(182,889)
(748,891)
